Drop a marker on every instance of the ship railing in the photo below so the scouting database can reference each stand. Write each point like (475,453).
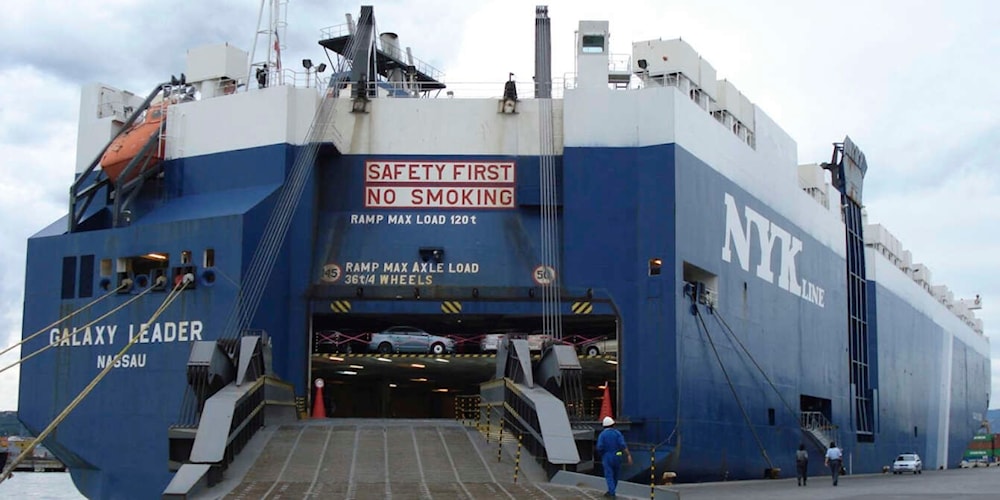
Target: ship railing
(285,77)
(305,79)
(342,30)
(819,426)
(620,75)
(454,90)
(336,31)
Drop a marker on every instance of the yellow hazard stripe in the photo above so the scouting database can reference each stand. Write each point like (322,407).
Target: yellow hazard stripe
(582,307)
(340,306)
(451,307)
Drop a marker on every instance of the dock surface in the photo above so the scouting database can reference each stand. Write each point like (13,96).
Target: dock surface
(359,459)
(958,484)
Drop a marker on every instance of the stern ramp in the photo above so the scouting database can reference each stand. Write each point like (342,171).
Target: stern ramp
(382,459)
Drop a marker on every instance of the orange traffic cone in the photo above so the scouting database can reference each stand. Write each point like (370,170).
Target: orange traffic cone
(606,403)
(319,408)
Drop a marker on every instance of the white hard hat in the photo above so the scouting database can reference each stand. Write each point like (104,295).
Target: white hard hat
(608,421)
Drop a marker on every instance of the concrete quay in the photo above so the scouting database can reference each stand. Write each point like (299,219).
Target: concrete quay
(959,484)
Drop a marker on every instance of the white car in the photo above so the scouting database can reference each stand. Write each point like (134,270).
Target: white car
(491,341)
(537,341)
(908,462)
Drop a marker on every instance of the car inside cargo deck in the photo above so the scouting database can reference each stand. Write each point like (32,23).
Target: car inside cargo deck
(361,380)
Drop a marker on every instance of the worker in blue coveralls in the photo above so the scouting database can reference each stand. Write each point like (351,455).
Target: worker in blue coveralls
(611,446)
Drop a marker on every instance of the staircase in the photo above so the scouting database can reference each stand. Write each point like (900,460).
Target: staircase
(816,424)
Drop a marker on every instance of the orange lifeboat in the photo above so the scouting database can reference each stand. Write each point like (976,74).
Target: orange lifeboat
(128,145)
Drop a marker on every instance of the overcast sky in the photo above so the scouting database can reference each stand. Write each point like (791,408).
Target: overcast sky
(914,83)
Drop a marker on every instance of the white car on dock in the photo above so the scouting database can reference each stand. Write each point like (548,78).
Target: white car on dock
(907,462)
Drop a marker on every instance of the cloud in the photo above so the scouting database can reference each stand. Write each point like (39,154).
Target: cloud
(37,144)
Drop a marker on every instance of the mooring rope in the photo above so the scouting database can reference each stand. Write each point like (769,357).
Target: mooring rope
(188,278)
(64,318)
(68,332)
(732,334)
(732,388)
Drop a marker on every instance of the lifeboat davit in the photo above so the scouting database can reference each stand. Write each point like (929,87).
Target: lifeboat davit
(128,145)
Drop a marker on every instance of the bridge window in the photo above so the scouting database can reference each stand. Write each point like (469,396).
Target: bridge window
(593,44)
(209,257)
(770,416)
(105,267)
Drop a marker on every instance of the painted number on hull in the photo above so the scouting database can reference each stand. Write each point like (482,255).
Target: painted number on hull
(359,279)
(414,219)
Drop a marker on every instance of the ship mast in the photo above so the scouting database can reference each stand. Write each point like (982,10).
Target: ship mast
(271,27)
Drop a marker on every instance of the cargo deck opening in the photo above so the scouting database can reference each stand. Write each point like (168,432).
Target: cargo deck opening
(412,381)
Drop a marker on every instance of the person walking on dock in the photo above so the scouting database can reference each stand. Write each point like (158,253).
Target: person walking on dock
(611,445)
(834,459)
(802,464)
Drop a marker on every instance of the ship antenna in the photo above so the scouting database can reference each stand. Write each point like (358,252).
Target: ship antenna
(266,71)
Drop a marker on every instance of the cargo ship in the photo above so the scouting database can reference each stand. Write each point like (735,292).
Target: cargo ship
(641,219)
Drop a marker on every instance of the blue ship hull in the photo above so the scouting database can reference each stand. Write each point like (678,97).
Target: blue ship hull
(730,307)
(672,387)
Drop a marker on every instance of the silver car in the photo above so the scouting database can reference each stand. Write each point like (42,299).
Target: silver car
(409,339)
(600,347)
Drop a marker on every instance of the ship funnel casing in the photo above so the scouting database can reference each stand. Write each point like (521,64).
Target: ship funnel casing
(390,45)
(543,53)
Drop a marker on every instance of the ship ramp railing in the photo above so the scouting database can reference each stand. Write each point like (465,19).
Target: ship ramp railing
(816,425)
(513,398)
(235,397)
(532,416)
